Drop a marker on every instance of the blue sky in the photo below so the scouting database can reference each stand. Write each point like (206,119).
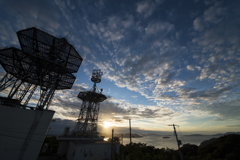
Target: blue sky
(164,61)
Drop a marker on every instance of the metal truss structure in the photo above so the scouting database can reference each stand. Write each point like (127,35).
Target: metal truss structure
(44,62)
(88,116)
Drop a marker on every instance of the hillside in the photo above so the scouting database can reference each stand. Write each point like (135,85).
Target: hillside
(127,135)
(224,148)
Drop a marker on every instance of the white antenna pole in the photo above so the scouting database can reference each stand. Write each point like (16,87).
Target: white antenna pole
(178,142)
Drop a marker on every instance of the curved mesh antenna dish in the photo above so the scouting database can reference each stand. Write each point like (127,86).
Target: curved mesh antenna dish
(44,61)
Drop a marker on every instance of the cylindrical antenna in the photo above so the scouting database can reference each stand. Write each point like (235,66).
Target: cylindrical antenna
(96,75)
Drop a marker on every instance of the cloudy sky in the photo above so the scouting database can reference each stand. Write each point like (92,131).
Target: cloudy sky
(164,61)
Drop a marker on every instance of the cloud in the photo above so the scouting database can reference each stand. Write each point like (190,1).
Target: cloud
(214,13)
(67,100)
(114,28)
(8,35)
(217,69)
(190,67)
(218,60)
(198,24)
(147,7)
(208,2)
(166,97)
(233,125)
(57,127)
(228,110)
(126,110)
(67,106)
(221,33)
(166,78)
(208,95)
(159,28)
(27,14)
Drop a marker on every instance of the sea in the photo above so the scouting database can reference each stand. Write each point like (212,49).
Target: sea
(161,142)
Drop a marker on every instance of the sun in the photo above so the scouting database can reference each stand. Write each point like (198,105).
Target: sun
(107,124)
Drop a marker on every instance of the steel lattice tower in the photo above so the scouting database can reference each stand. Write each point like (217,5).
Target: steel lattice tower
(44,62)
(88,116)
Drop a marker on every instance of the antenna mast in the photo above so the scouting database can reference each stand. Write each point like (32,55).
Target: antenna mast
(88,116)
(130,132)
(178,141)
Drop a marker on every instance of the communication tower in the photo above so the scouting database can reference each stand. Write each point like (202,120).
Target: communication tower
(44,62)
(88,116)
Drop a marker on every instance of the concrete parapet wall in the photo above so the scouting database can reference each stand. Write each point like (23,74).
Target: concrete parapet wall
(22,132)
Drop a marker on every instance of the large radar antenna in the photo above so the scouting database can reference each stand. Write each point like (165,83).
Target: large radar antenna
(44,63)
(88,116)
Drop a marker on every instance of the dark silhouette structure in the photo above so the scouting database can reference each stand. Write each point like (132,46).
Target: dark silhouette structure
(88,116)
(44,62)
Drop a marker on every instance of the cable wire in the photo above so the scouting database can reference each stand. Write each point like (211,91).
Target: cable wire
(20,138)
(184,142)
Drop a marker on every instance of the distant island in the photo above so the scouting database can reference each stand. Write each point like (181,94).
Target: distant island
(219,134)
(195,135)
(127,135)
(152,134)
(165,137)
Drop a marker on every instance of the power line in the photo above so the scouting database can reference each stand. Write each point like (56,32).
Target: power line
(181,134)
(137,132)
(22,128)
(19,138)
(122,129)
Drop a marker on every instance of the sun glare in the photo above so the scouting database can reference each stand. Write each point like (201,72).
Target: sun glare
(107,124)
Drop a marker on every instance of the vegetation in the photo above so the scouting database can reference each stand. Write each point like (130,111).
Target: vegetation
(224,148)
(115,140)
(140,151)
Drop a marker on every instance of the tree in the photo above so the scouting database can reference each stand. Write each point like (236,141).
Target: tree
(115,140)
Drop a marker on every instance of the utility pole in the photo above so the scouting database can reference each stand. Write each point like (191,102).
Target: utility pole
(122,139)
(130,131)
(112,145)
(178,141)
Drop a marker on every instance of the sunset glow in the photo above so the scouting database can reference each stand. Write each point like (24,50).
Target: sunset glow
(107,124)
